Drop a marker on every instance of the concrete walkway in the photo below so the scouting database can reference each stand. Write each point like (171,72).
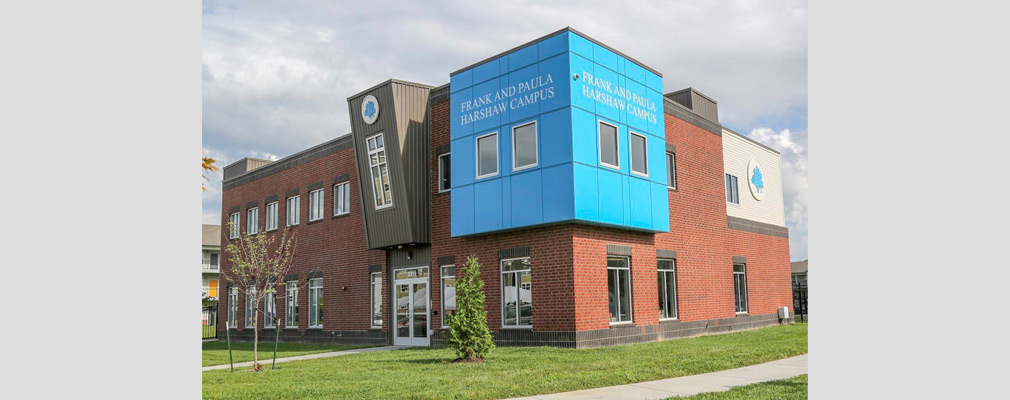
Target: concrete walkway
(268,360)
(691,385)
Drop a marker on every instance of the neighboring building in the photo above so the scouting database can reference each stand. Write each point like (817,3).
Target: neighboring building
(210,268)
(602,211)
(799,269)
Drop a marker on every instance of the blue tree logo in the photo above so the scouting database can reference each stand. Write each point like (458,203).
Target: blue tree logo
(758,180)
(370,109)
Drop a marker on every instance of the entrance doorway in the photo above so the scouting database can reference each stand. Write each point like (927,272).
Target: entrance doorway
(410,302)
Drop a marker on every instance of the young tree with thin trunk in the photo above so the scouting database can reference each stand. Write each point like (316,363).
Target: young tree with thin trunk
(468,331)
(259,264)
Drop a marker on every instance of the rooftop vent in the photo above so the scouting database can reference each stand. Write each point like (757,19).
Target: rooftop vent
(694,100)
(242,166)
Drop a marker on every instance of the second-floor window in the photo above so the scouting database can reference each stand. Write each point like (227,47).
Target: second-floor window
(487,155)
(316,205)
(213,261)
(294,205)
(639,154)
(342,198)
(444,172)
(732,193)
(272,216)
(524,146)
(671,170)
(252,221)
(608,145)
(234,225)
(379,171)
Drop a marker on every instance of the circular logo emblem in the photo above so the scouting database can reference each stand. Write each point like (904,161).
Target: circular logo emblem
(756,179)
(370,109)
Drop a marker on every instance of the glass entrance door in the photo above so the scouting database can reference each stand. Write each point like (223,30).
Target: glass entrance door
(410,296)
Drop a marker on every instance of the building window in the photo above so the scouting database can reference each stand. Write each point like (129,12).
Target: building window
(316,303)
(291,305)
(444,173)
(294,206)
(376,299)
(740,286)
(639,154)
(732,194)
(234,225)
(487,155)
(517,298)
(213,261)
(524,146)
(252,221)
(250,308)
(667,275)
(316,205)
(270,308)
(271,216)
(379,171)
(619,288)
(671,170)
(232,307)
(608,145)
(448,293)
(342,198)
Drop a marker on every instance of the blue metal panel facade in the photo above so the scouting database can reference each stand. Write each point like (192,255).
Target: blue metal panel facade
(566,84)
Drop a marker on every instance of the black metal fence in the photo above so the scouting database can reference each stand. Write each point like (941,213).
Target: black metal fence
(800,301)
(210,322)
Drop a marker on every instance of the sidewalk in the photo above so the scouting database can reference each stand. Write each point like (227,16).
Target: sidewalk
(266,362)
(690,385)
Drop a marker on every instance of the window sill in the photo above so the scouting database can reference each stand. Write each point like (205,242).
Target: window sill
(443,191)
(291,328)
(668,320)
(520,327)
(672,189)
(341,215)
(312,221)
(315,328)
(375,328)
(621,324)
(742,313)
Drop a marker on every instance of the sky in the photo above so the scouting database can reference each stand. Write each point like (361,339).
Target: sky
(276,76)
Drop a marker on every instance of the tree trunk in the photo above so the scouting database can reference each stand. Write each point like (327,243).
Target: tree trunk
(256,340)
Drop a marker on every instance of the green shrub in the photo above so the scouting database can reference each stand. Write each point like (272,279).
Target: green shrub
(468,333)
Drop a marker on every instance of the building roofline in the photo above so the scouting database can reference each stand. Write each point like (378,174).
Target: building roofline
(565,29)
(286,162)
(245,158)
(751,140)
(388,81)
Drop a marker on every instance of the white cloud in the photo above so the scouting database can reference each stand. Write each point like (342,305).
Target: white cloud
(793,149)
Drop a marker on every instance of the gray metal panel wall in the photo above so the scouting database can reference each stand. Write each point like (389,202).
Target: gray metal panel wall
(420,256)
(403,122)
(235,169)
(704,107)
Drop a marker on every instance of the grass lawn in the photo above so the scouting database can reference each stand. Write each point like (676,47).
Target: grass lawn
(509,371)
(216,353)
(792,388)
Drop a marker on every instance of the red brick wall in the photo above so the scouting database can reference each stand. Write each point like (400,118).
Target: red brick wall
(335,246)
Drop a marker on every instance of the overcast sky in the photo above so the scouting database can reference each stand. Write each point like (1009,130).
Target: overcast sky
(276,76)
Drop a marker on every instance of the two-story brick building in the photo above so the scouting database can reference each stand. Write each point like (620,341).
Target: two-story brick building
(602,210)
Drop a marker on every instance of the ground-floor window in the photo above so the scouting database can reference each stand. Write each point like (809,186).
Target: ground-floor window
(250,308)
(269,308)
(619,288)
(316,303)
(740,286)
(517,298)
(666,273)
(377,299)
(448,292)
(232,307)
(291,305)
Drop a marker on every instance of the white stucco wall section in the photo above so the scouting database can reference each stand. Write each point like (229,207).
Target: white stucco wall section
(737,153)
